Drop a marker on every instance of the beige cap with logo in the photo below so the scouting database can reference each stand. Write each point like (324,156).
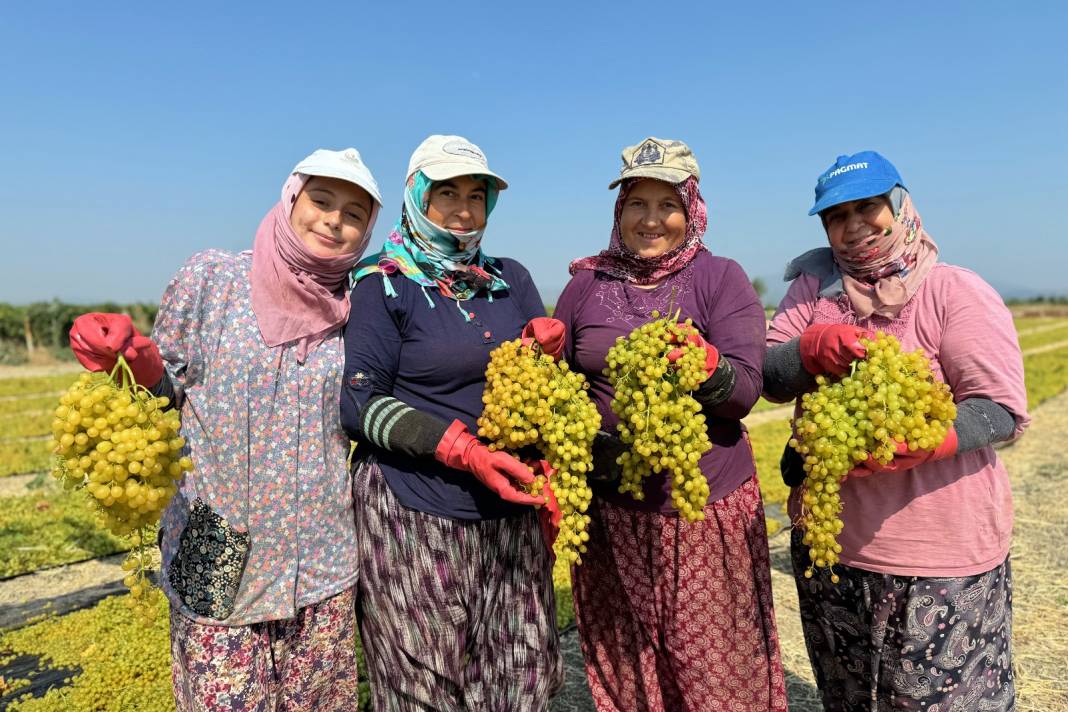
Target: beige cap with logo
(442,157)
(663,159)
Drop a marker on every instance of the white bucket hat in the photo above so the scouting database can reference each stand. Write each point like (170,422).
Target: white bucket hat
(345,164)
(443,157)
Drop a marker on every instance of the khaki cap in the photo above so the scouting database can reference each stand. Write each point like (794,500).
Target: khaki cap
(663,159)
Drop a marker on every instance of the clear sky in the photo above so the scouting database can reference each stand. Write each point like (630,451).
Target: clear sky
(135,134)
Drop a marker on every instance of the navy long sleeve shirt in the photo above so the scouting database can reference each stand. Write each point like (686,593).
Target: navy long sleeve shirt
(433,360)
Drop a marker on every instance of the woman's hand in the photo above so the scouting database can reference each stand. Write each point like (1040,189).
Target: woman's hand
(498,470)
(97,340)
(904,459)
(548,333)
(695,339)
(830,348)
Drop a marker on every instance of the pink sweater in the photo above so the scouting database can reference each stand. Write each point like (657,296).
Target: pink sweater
(951,517)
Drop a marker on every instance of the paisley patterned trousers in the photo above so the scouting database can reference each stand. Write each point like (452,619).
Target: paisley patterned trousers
(881,642)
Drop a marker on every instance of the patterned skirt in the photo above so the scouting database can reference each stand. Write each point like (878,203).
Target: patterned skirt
(881,642)
(302,664)
(454,614)
(678,616)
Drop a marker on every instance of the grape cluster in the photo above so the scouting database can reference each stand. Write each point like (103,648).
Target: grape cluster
(530,400)
(658,418)
(120,444)
(890,397)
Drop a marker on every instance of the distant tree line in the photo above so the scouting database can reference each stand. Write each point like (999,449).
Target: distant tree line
(46,326)
(1044,299)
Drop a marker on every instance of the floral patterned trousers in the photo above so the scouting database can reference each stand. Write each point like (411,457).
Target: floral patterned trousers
(299,664)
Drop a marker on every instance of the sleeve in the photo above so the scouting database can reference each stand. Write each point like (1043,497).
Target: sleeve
(784,376)
(369,412)
(566,308)
(178,329)
(981,422)
(524,291)
(737,327)
(794,312)
(978,351)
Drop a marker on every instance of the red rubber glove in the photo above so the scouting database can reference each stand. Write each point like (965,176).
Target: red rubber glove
(97,340)
(711,352)
(830,348)
(548,332)
(461,450)
(549,514)
(905,460)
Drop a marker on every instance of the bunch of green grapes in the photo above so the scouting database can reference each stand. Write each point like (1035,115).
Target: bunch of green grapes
(658,418)
(530,400)
(889,397)
(116,441)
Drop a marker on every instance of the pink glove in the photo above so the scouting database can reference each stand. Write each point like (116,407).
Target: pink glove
(548,332)
(830,348)
(711,352)
(461,450)
(549,514)
(98,339)
(905,460)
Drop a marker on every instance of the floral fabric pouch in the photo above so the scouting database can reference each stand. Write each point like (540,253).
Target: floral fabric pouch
(207,568)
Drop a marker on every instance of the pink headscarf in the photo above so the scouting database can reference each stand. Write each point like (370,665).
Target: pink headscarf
(296,294)
(620,262)
(880,274)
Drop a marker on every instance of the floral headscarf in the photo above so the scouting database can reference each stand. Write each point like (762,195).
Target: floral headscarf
(432,256)
(620,262)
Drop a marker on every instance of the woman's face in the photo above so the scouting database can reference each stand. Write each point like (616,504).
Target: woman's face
(331,216)
(458,204)
(849,223)
(653,220)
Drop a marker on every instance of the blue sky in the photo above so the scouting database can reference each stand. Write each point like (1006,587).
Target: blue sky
(133,136)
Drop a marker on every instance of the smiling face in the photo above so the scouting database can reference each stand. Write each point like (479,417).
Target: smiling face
(849,223)
(653,220)
(458,204)
(331,216)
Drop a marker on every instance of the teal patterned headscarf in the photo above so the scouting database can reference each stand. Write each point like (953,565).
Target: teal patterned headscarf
(432,256)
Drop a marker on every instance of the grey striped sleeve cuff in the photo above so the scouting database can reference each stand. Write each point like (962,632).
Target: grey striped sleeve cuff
(393,425)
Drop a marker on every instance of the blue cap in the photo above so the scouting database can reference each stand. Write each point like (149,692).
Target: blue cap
(861,175)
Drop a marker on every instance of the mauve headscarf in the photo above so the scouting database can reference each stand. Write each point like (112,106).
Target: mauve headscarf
(296,294)
(881,273)
(620,262)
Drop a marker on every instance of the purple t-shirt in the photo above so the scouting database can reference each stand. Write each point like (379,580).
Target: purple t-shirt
(716,294)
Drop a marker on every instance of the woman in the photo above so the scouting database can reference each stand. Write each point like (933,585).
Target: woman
(921,616)
(674,615)
(248,346)
(456,608)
